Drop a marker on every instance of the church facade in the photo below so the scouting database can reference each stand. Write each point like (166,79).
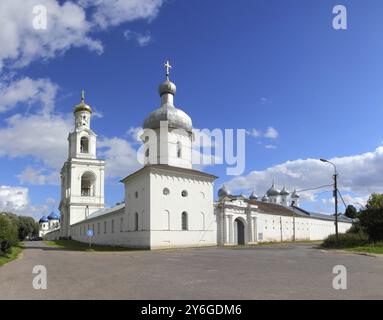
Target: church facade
(168,203)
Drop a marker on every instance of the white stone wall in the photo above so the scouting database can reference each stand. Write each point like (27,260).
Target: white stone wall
(52,235)
(265,227)
(166,210)
(114,229)
(159,215)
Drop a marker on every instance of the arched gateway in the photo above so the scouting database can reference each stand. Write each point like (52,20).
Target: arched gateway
(239,231)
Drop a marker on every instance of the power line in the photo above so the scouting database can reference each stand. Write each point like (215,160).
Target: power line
(310,189)
(342,199)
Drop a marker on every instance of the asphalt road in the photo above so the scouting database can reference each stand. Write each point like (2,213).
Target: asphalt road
(285,271)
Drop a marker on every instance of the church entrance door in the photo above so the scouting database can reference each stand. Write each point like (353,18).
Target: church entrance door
(239,228)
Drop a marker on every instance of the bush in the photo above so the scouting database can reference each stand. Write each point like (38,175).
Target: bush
(371,219)
(346,240)
(8,234)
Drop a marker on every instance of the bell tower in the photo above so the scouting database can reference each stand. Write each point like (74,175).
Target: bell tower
(82,175)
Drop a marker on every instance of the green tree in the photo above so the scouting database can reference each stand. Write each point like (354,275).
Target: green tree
(375,201)
(8,233)
(371,218)
(351,212)
(27,227)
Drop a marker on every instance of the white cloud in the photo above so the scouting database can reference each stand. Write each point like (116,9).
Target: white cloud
(271,133)
(27,91)
(135,133)
(265,100)
(120,156)
(21,43)
(114,12)
(254,133)
(270,146)
(67,26)
(142,39)
(36,176)
(13,198)
(359,175)
(16,200)
(43,137)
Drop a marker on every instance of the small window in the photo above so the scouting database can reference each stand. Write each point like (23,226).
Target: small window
(147,152)
(104,226)
(184,193)
(184,218)
(98,228)
(166,191)
(136,194)
(112,226)
(121,224)
(179,150)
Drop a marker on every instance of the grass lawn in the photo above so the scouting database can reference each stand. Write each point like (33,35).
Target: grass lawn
(79,246)
(376,249)
(11,256)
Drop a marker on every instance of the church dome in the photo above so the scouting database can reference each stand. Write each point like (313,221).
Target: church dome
(167,87)
(82,106)
(176,118)
(223,192)
(265,198)
(272,192)
(43,219)
(294,195)
(53,216)
(284,192)
(253,196)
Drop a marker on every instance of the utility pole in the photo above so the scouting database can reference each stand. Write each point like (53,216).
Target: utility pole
(335,196)
(336,204)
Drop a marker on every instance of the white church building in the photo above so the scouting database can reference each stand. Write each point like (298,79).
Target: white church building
(168,203)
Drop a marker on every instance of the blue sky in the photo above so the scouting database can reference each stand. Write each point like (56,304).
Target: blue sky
(246,64)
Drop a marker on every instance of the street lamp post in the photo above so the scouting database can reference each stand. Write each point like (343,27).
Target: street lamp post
(335,196)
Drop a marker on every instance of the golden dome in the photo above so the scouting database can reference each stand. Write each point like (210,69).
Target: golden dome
(82,106)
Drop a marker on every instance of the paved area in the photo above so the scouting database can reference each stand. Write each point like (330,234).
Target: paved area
(286,271)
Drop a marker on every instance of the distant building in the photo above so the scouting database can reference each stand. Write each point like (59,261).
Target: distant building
(48,224)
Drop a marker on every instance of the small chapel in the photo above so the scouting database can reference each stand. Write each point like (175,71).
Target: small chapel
(167,203)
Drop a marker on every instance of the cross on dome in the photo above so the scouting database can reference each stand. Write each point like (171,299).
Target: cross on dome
(168,67)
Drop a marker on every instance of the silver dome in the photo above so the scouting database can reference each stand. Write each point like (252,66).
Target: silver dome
(284,192)
(167,87)
(294,195)
(272,191)
(253,196)
(223,192)
(176,118)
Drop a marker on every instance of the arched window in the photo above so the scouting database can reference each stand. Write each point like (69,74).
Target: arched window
(203,220)
(136,221)
(84,145)
(166,220)
(87,184)
(179,150)
(146,141)
(184,219)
